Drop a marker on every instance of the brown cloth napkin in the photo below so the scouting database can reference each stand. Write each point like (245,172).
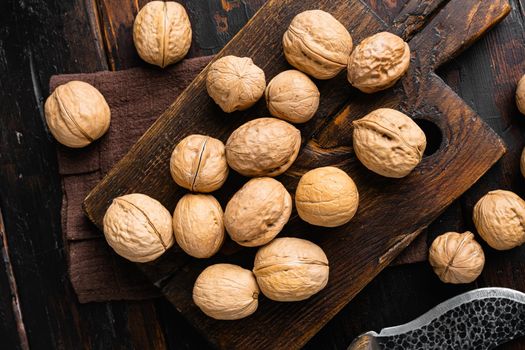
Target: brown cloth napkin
(136,97)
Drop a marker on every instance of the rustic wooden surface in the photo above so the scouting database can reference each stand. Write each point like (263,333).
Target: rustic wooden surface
(44,37)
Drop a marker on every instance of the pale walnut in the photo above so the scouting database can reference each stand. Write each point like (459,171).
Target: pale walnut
(162,33)
(520,95)
(292,96)
(77,114)
(499,217)
(263,147)
(198,163)
(235,83)
(378,62)
(317,44)
(257,212)
(291,269)
(198,225)
(388,142)
(456,257)
(226,292)
(138,227)
(326,197)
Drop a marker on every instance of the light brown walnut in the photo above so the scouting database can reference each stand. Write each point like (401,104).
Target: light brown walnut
(520,95)
(318,44)
(388,142)
(77,114)
(263,147)
(257,212)
(378,62)
(226,292)
(162,33)
(522,162)
(291,269)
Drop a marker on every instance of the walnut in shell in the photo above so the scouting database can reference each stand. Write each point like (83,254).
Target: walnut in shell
(198,225)
(327,197)
(138,227)
(235,83)
(77,114)
(291,269)
(257,212)
(317,44)
(388,142)
(378,62)
(520,95)
(499,217)
(198,163)
(456,257)
(162,33)
(263,147)
(522,162)
(292,96)
(226,292)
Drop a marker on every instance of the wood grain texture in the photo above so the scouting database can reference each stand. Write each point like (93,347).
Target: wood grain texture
(468,149)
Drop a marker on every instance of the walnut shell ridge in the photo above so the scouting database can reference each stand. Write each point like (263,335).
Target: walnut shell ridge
(291,269)
(257,212)
(388,142)
(499,217)
(378,62)
(327,197)
(138,227)
(317,44)
(198,163)
(226,292)
(77,114)
(198,225)
(162,33)
(520,95)
(456,257)
(263,147)
(235,83)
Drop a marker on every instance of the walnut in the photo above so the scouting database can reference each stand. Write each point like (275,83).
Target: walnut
(162,33)
(327,197)
(263,147)
(198,225)
(235,83)
(77,114)
(257,212)
(378,62)
(317,44)
(291,269)
(138,227)
(198,163)
(292,96)
(226,292)
(522,162)
(499,217)
(388,142)
(456,257)
(520,95)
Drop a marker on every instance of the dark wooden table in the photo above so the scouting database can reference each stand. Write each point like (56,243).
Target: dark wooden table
(38,309)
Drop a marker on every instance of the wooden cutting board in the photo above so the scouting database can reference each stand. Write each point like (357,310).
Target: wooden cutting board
(392,212)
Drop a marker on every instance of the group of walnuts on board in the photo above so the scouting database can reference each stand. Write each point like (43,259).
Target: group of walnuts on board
(386,141)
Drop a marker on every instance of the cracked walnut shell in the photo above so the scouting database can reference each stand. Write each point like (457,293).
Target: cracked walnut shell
(292,96)
(499,217)
(226,292)
(291,269)
(326,197)
(257,212)
(378,62)
(456,257)
(77,114)
(235,83)
(263,147)
(318,44)
(162,33)
(388,142)
(138,227)
(198,225)
(198,163)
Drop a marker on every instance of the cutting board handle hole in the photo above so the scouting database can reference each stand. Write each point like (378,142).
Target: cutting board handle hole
(433,134)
